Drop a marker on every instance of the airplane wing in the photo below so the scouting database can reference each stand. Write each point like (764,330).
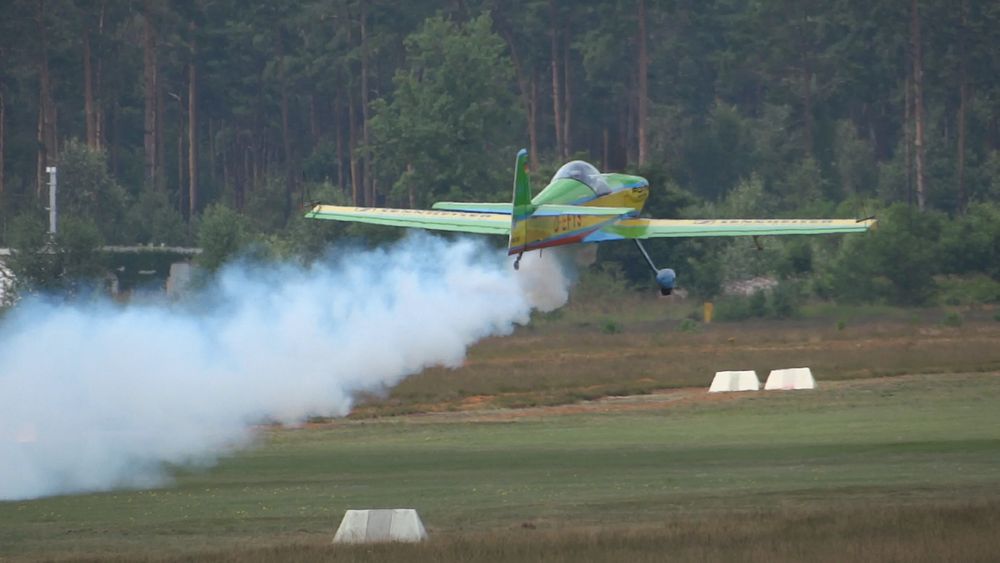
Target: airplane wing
(653,228)
(458,221)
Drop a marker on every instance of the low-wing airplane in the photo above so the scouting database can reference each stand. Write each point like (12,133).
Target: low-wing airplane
(579,205)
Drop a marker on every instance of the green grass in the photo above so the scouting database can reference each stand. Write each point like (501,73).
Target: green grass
(915,452)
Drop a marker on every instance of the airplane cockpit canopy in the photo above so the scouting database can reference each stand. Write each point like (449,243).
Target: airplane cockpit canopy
(585,173)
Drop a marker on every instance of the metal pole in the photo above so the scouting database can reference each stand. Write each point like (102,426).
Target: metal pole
(53,215)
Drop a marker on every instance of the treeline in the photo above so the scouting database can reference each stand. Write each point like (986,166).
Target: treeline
(839,106)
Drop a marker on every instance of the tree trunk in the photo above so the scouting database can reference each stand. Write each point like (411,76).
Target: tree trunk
(908,138)
(643,90)
(918,103)
(98,75)
(113,136)
(409,187)
(213,147)
(181,207)
(338,125)
(193,126)
(286,135)
(528,88)
(556,95)
(604,152)
(89,114)
(2,136)
(160,136)
(533,124)
(150,113)
(963,98)
(807,107)
(352,150)
(368,176)
(46,117)
(568,103)
(313,121)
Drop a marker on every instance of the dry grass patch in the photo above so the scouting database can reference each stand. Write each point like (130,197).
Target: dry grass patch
(943,532)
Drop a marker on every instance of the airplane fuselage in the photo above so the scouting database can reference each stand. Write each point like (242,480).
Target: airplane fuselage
(598,190)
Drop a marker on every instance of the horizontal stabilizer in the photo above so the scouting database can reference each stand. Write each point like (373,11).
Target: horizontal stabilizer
(549,210)
(501,208)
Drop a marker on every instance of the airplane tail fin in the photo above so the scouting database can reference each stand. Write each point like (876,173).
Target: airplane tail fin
(522,207)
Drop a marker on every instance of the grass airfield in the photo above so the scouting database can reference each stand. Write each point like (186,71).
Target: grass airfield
(521,455)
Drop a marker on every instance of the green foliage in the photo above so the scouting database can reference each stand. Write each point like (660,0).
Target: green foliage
(759,109)
(854,162)
(952,319)
(781,302)
(450,129)
(222,234)
(265,206)
(307,239)
(611,326)
(88,192)
(896,263)
(152,220)
(69,263)
(969,290)
(971,243)
(704,277)
(689,326)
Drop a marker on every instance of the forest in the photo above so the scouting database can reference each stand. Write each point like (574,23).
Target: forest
(213,122)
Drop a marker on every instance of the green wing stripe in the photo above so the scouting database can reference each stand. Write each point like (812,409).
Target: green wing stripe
(503,208)
(653,228)
(482,223)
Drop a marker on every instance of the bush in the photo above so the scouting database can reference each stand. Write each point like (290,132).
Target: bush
(611,326)
(65,264)
(895,263)
(88,192)
(223,232)
(688,325)
(952,319)
(785,300)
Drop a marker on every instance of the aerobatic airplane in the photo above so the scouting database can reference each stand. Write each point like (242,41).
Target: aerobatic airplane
(579,205)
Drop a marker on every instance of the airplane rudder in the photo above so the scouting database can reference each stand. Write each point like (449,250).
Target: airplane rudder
(522,186)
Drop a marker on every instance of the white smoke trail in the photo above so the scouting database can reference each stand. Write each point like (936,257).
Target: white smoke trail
(103,396)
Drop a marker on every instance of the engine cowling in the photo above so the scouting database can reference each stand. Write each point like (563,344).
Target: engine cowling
(665,278)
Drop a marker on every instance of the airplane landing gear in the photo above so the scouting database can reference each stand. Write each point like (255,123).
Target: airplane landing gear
(664,278)
(517,261)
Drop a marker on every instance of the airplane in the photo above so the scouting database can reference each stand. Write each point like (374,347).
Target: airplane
(579,205)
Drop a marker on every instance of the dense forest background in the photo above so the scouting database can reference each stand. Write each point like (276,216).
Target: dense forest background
(213,122)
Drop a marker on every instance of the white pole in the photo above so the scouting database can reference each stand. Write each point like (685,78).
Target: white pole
(52,199)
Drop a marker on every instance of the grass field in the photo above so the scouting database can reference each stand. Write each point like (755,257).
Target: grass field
(865,468)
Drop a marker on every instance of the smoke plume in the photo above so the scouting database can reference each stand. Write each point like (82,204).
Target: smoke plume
(99,396)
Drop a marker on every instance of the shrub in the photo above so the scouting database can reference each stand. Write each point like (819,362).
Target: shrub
(952,319)
(688,325)
(222,233)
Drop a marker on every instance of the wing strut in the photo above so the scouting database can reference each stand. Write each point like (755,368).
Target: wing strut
(645,255)
(665,278)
